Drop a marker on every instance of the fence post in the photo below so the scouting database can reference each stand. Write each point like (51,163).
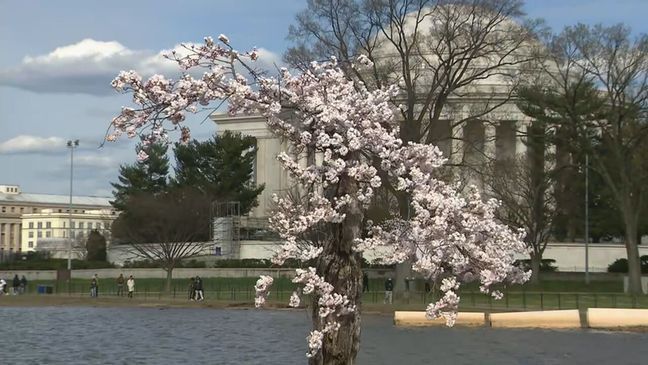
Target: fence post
(524,304)
(559,306)
(541,301)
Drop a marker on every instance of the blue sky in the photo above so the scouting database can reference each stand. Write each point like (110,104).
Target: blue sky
(51,91)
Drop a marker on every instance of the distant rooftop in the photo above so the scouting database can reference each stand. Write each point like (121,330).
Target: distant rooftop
(12,194)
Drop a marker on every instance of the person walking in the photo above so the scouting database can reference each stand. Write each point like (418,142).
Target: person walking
(389,290)
(199,288)
(16,284)
(3,284)
(120,285)
(93,287)
(365,282)
(23,284)
(192,289)
(95,278)
(130,284)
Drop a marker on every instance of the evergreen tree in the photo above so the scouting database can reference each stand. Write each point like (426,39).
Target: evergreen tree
(221,168)
(147,176)
(96,247)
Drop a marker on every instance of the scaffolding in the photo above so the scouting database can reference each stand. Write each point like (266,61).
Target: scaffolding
(226,229)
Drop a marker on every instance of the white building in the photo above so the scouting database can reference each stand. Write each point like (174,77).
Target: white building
(51,226)
(15,203)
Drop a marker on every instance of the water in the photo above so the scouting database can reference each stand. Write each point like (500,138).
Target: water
(68,335)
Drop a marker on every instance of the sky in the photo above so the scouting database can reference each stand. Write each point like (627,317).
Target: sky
(58,58)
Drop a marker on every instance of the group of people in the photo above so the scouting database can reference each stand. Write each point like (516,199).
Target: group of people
(19,286)
(196,289)
(130,285)
(389,287)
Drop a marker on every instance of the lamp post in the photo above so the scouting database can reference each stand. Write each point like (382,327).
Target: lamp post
(71,145)
(587,275)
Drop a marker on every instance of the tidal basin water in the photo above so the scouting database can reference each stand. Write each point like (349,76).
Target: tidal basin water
(81,335)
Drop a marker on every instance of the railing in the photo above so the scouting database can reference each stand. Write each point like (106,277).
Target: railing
(470,300)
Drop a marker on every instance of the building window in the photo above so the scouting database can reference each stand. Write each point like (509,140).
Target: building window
(22,209)
(217,251)
(39,225)
(89,225)
(80,225)
(71,224)
(39,234)
(4,209)
(72,234)
(31,225)
(48,234)
(34,210)
(31,234)
(13,209)
(48,224)
(30,244)
(60,210)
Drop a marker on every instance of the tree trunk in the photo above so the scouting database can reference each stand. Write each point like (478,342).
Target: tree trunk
(169,277)
(403,270)
(634,264)
(536,260)
(341,267)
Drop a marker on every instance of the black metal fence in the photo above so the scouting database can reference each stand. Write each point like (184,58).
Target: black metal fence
(470,300)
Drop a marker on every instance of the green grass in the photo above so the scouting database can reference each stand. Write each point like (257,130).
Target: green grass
(546,295)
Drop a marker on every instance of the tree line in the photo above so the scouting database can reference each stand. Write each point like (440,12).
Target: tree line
(167,218)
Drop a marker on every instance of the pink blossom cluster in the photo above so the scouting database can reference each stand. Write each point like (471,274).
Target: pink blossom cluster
(449,237)
(262,290)
(330,305)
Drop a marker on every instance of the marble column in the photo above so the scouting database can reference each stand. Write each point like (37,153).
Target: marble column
(457,144)
(490,136)
(521,127)
(16,240)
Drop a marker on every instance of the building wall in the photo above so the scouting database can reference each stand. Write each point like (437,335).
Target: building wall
(14,204)
(51,225)
(569,256)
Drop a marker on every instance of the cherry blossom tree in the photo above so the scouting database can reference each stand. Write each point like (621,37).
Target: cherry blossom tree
(450,238)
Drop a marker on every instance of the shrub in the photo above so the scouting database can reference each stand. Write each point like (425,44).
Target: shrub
(621,265)
(546,265)
(53,264)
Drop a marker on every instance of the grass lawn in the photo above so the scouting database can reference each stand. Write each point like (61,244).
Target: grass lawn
(542,296)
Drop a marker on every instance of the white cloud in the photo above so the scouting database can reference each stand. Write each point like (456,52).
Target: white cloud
(32,144)
(91,160)
(88,67)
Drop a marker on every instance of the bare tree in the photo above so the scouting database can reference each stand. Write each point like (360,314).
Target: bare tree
(458,59)
(525,190)
(597,93)
(165,228)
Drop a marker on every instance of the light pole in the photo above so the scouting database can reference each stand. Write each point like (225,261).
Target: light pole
(71,145)
(587,276)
